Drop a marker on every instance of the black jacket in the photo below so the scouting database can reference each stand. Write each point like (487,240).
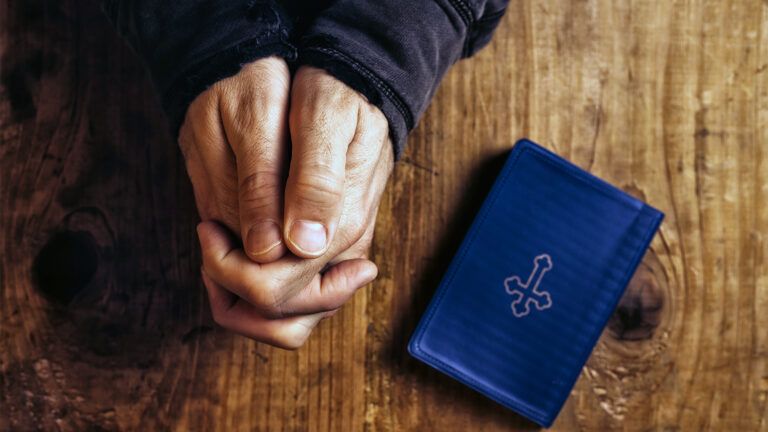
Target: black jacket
(395,52)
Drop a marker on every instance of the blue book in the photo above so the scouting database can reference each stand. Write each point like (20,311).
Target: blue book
(534,282)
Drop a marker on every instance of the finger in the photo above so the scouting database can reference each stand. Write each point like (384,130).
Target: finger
(241,317)
(211,158)
(256,131)
(201,187)
(271,288)
(369,163)
(228,266)
(322,124)
(329,291)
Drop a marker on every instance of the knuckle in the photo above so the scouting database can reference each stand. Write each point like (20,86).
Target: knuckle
(259,190)
(262,296)
(291,337)
(269,70)
(323,190)
(259,180)
(358,169)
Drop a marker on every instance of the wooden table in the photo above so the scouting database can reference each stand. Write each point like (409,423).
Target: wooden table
(666,99)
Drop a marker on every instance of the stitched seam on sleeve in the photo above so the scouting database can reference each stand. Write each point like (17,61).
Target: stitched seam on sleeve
(463,10)
(382,86)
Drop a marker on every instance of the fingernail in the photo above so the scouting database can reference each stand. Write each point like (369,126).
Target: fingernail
(308,236)
(263,237)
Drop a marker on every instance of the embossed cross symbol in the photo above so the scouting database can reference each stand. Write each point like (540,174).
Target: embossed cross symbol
(526,293)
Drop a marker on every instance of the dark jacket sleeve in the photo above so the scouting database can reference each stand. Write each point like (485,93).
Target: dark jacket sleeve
(189,45)
(395,52)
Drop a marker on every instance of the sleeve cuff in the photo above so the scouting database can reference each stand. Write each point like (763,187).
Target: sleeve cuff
(395,53)
(223,64)
(363,80)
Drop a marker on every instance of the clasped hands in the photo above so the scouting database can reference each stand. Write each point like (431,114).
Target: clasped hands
(287,175)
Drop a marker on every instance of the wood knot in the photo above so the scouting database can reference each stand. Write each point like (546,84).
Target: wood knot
(65,265)
(639,312)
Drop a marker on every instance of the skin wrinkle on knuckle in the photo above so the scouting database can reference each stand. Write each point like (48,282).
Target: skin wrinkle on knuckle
(318,189)
(260,189)
(359,168)
(259,206)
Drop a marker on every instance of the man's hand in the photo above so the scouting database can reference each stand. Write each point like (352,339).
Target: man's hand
(235,142)
(340,162)
(338,140)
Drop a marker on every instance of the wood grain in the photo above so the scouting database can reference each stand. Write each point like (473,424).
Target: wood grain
(666,99)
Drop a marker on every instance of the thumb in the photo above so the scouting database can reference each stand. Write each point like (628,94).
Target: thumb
(329,291)
(322,122)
